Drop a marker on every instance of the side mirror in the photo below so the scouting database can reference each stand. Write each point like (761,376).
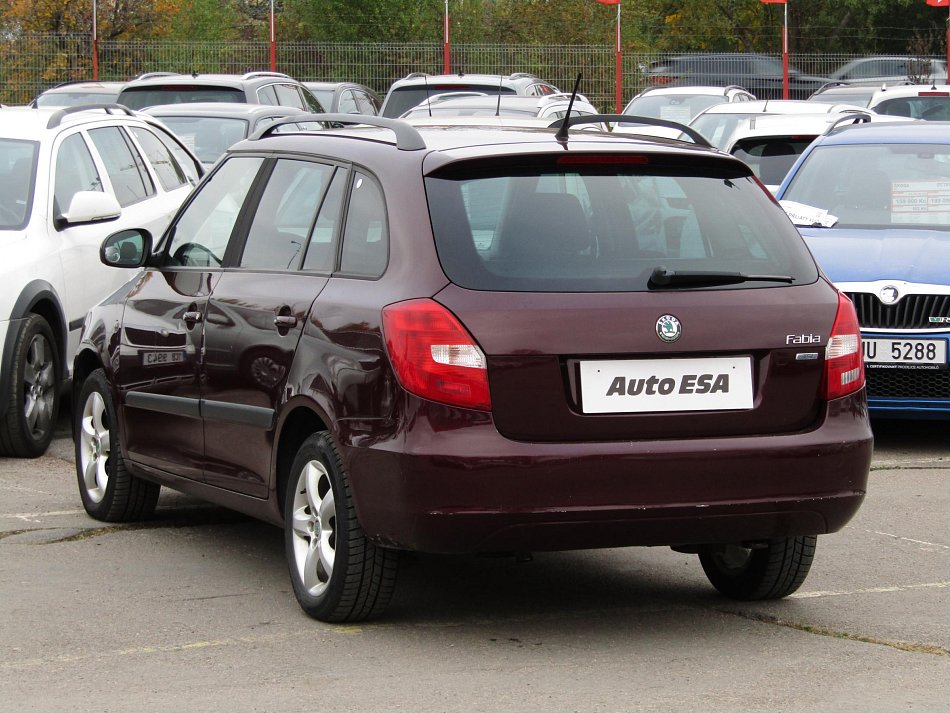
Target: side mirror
(127,248)
(90,207)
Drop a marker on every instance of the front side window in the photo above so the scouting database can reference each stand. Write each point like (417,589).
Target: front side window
(75,171)
(286,215)
(126,168)
(596,224)
(877,185)
(169,171)
(201,234)
(17,174)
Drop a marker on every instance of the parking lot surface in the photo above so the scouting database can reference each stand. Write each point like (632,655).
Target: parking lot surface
(193,611)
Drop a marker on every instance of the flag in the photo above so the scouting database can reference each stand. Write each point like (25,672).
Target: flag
(939,3)
(617,2)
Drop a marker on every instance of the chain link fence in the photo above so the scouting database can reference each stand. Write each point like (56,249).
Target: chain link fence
(30,64)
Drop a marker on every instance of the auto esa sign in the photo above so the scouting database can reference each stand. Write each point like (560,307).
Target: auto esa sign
(645,385)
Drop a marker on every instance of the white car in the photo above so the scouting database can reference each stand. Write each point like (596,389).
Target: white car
(930,102)
(552,106)
(681,104)
(68,178)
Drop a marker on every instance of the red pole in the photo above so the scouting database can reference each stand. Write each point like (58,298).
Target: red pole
(273,40)
(948,49)
(785,92)
(95,43)
(446,44)
(618,68)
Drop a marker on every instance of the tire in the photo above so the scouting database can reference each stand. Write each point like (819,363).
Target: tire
(337,573)
(770,572)
(108,490)
(32,401)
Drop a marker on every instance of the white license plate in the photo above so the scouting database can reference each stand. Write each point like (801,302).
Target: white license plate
(652,385)
(911,352)
(156,358)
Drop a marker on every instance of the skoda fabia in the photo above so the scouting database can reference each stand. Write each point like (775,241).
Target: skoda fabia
(452,339)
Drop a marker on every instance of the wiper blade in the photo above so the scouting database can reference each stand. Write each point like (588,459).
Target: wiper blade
(662,278)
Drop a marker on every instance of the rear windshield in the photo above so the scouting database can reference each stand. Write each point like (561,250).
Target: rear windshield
(402,99)
(142,97)
(207,136)
(592,224)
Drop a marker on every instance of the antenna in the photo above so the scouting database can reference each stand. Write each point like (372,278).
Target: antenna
(425,81)
(498,103)
(561,134)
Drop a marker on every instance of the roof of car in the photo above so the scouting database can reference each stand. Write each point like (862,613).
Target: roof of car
(909,90)
(776,106)
(711,90)
(82,84)
(222,109)
(504,101)
(235,80)
(30,122)
(462,78)
(903,132)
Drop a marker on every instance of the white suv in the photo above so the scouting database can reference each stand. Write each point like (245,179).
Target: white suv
(68,177)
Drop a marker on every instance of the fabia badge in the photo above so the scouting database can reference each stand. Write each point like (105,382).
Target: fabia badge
(889,295)
(668,328)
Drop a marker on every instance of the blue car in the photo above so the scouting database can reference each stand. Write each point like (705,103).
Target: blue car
(873,203)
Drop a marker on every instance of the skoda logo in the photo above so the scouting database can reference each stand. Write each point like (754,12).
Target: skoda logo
(668,328)
(889,295)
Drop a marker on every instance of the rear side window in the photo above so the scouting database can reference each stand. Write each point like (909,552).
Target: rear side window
(365,234)
(170,173)
(17,163)
(75,171)
(601,224)
(126,169)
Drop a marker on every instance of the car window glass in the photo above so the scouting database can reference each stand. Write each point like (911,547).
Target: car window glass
(287,95)
(202,231)
(125,166)
(311,103)
(365,103)
(285,215)
(169,172)
(17,162)
(267,95)
(75,171)
(348,103)
(186,161)
(321,252)
(365,234)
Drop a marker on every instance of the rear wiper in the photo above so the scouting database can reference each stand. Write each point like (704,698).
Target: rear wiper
(661,278)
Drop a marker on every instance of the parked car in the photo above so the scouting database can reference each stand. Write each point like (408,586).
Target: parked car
(873,204)
(414,89)
(208,129)
(448,339)
(842,93)
(930,102)
(681,103)
(759,74)
(718,122)
(68,177)
(272,88)
(78,92)
(345,97)
(552,106)
(892,69)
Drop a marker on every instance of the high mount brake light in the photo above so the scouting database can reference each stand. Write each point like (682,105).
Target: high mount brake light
(601,160)
(434,356)
(844,358)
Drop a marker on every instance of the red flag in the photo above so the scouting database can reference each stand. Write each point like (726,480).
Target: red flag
(939,3)
(617,2)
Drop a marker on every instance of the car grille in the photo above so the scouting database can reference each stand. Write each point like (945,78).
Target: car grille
(911,312)
(908,383)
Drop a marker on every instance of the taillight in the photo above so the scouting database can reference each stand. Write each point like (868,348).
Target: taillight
(434,356)
(844,360)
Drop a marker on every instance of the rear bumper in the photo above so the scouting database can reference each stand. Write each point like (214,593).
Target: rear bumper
(466,488)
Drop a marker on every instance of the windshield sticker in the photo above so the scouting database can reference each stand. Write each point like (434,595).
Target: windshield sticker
(920,202)
(808,216)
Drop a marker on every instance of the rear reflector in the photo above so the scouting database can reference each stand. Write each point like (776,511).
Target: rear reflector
(844,360)
(434,356)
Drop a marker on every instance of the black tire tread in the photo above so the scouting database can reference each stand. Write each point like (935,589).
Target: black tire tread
(773,572)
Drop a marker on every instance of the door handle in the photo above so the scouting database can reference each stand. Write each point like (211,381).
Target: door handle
(191,318)
(285,321)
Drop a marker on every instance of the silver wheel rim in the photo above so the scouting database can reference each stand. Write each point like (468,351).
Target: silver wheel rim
(95,447)
(39,382)
(314,528)
(733,559)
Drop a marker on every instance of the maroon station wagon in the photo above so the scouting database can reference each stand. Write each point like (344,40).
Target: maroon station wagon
(455,339)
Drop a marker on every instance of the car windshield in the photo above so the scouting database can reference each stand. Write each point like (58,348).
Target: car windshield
(581,223)
(771,157)
(17,173)
(402,99)
(718,128)
(142,97)
(207,136)
(673,107)
(876,185)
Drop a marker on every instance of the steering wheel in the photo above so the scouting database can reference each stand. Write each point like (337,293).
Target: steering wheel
(192,254)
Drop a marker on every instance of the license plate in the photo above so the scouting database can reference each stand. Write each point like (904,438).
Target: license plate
(928,353)
(654,385)
(156,358)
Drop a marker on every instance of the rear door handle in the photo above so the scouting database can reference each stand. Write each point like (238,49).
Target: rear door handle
(285,321)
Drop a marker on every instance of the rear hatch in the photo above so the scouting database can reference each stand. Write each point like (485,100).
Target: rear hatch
(632,296)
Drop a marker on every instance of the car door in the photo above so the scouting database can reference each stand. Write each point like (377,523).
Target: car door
(163,325)
(257,313)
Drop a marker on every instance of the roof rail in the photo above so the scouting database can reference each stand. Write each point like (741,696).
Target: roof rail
(733,86)
(560,96)
(522,75)
(828,85)
(630,119)
(150,75)
(416,75)
(407,138)
(855,117)
(252,75)
(57,118)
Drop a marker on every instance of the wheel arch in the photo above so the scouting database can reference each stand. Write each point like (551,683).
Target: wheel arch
(37,297)
(300,422)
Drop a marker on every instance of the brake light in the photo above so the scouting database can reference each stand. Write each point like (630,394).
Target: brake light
(603,160)
(844,359)
(434,356)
